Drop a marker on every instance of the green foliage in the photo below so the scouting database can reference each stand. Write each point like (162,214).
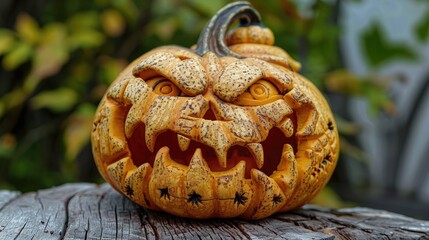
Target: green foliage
(379,50)
(422,28)
(6,40)
(58,100)
(372,88)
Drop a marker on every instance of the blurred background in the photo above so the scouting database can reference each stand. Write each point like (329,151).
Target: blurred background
(57,59)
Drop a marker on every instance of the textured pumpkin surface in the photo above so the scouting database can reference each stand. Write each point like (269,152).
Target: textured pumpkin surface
(201,134)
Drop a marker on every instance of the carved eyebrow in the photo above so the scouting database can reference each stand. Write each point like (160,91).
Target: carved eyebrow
(241,74)
(188,74)
(236,78)
(281,77)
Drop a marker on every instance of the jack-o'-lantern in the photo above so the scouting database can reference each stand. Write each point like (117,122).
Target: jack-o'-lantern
(225,129)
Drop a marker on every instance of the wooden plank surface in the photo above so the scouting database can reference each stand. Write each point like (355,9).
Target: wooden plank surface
(89,211)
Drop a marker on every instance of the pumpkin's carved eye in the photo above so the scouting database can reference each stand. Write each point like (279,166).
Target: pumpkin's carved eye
(259,93)
(162,86)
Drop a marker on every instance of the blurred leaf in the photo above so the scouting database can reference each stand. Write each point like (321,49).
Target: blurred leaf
(80,72)
(351,150)
(30,83)
(83,20)
(422,28)
(52,52)
(296,9)
(372,88)
(11,100)
(113,23)
(83,30)
(27,28)
(189,22)
(110,68)
(6,40)
(19,54)
(128,8)
(85,38)
(208,8)
(165,28)
(78,130)
(343,81)
(58,100)
(49,56)
(347,128)
(378,50)
(7,144)
(378,99)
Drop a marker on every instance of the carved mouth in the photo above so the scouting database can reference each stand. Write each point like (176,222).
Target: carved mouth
(183,164)
(267,162)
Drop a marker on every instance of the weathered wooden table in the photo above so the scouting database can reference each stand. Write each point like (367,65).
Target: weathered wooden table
(88,211)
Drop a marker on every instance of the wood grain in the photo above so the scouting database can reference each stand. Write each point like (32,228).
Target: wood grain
(89,211)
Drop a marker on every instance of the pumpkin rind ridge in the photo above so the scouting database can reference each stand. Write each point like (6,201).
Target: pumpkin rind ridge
(244,135)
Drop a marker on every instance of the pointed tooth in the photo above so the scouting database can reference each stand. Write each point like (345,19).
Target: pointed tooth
(307,123)
(137,186)
(271,196)
(135,91)
(198,161)
(287,157)
(183,142)
(231,180)
(161,158)
(163,161)
(258,153)
(221,157)
(118,170)
(150,138)
(199,182)
(169,176)
(286,175)
(235,193)
(286,126)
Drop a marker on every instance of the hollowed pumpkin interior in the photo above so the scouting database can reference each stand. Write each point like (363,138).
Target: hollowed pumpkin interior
(272,145)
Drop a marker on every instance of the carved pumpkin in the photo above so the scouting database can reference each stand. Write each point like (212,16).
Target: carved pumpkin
(228,129)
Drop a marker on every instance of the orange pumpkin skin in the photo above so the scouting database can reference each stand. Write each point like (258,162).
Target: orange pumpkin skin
(199,133)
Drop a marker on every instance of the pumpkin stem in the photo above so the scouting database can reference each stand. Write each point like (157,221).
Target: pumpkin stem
(212,38)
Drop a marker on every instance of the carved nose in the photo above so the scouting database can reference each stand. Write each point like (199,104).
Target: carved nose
(209,115)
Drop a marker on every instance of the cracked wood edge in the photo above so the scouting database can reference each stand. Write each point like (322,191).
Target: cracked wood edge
(38,215)
(6,197)
(89,211)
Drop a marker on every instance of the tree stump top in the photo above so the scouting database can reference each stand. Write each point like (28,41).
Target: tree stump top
(89,211)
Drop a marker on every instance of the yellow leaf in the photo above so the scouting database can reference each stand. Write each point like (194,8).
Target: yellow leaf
(27,28)
(6,40)
(78,130)
(58,100)
(19,54)
(113,23)
(85,38)
(52,51)
(11,100)
(83,20)
(343,81)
